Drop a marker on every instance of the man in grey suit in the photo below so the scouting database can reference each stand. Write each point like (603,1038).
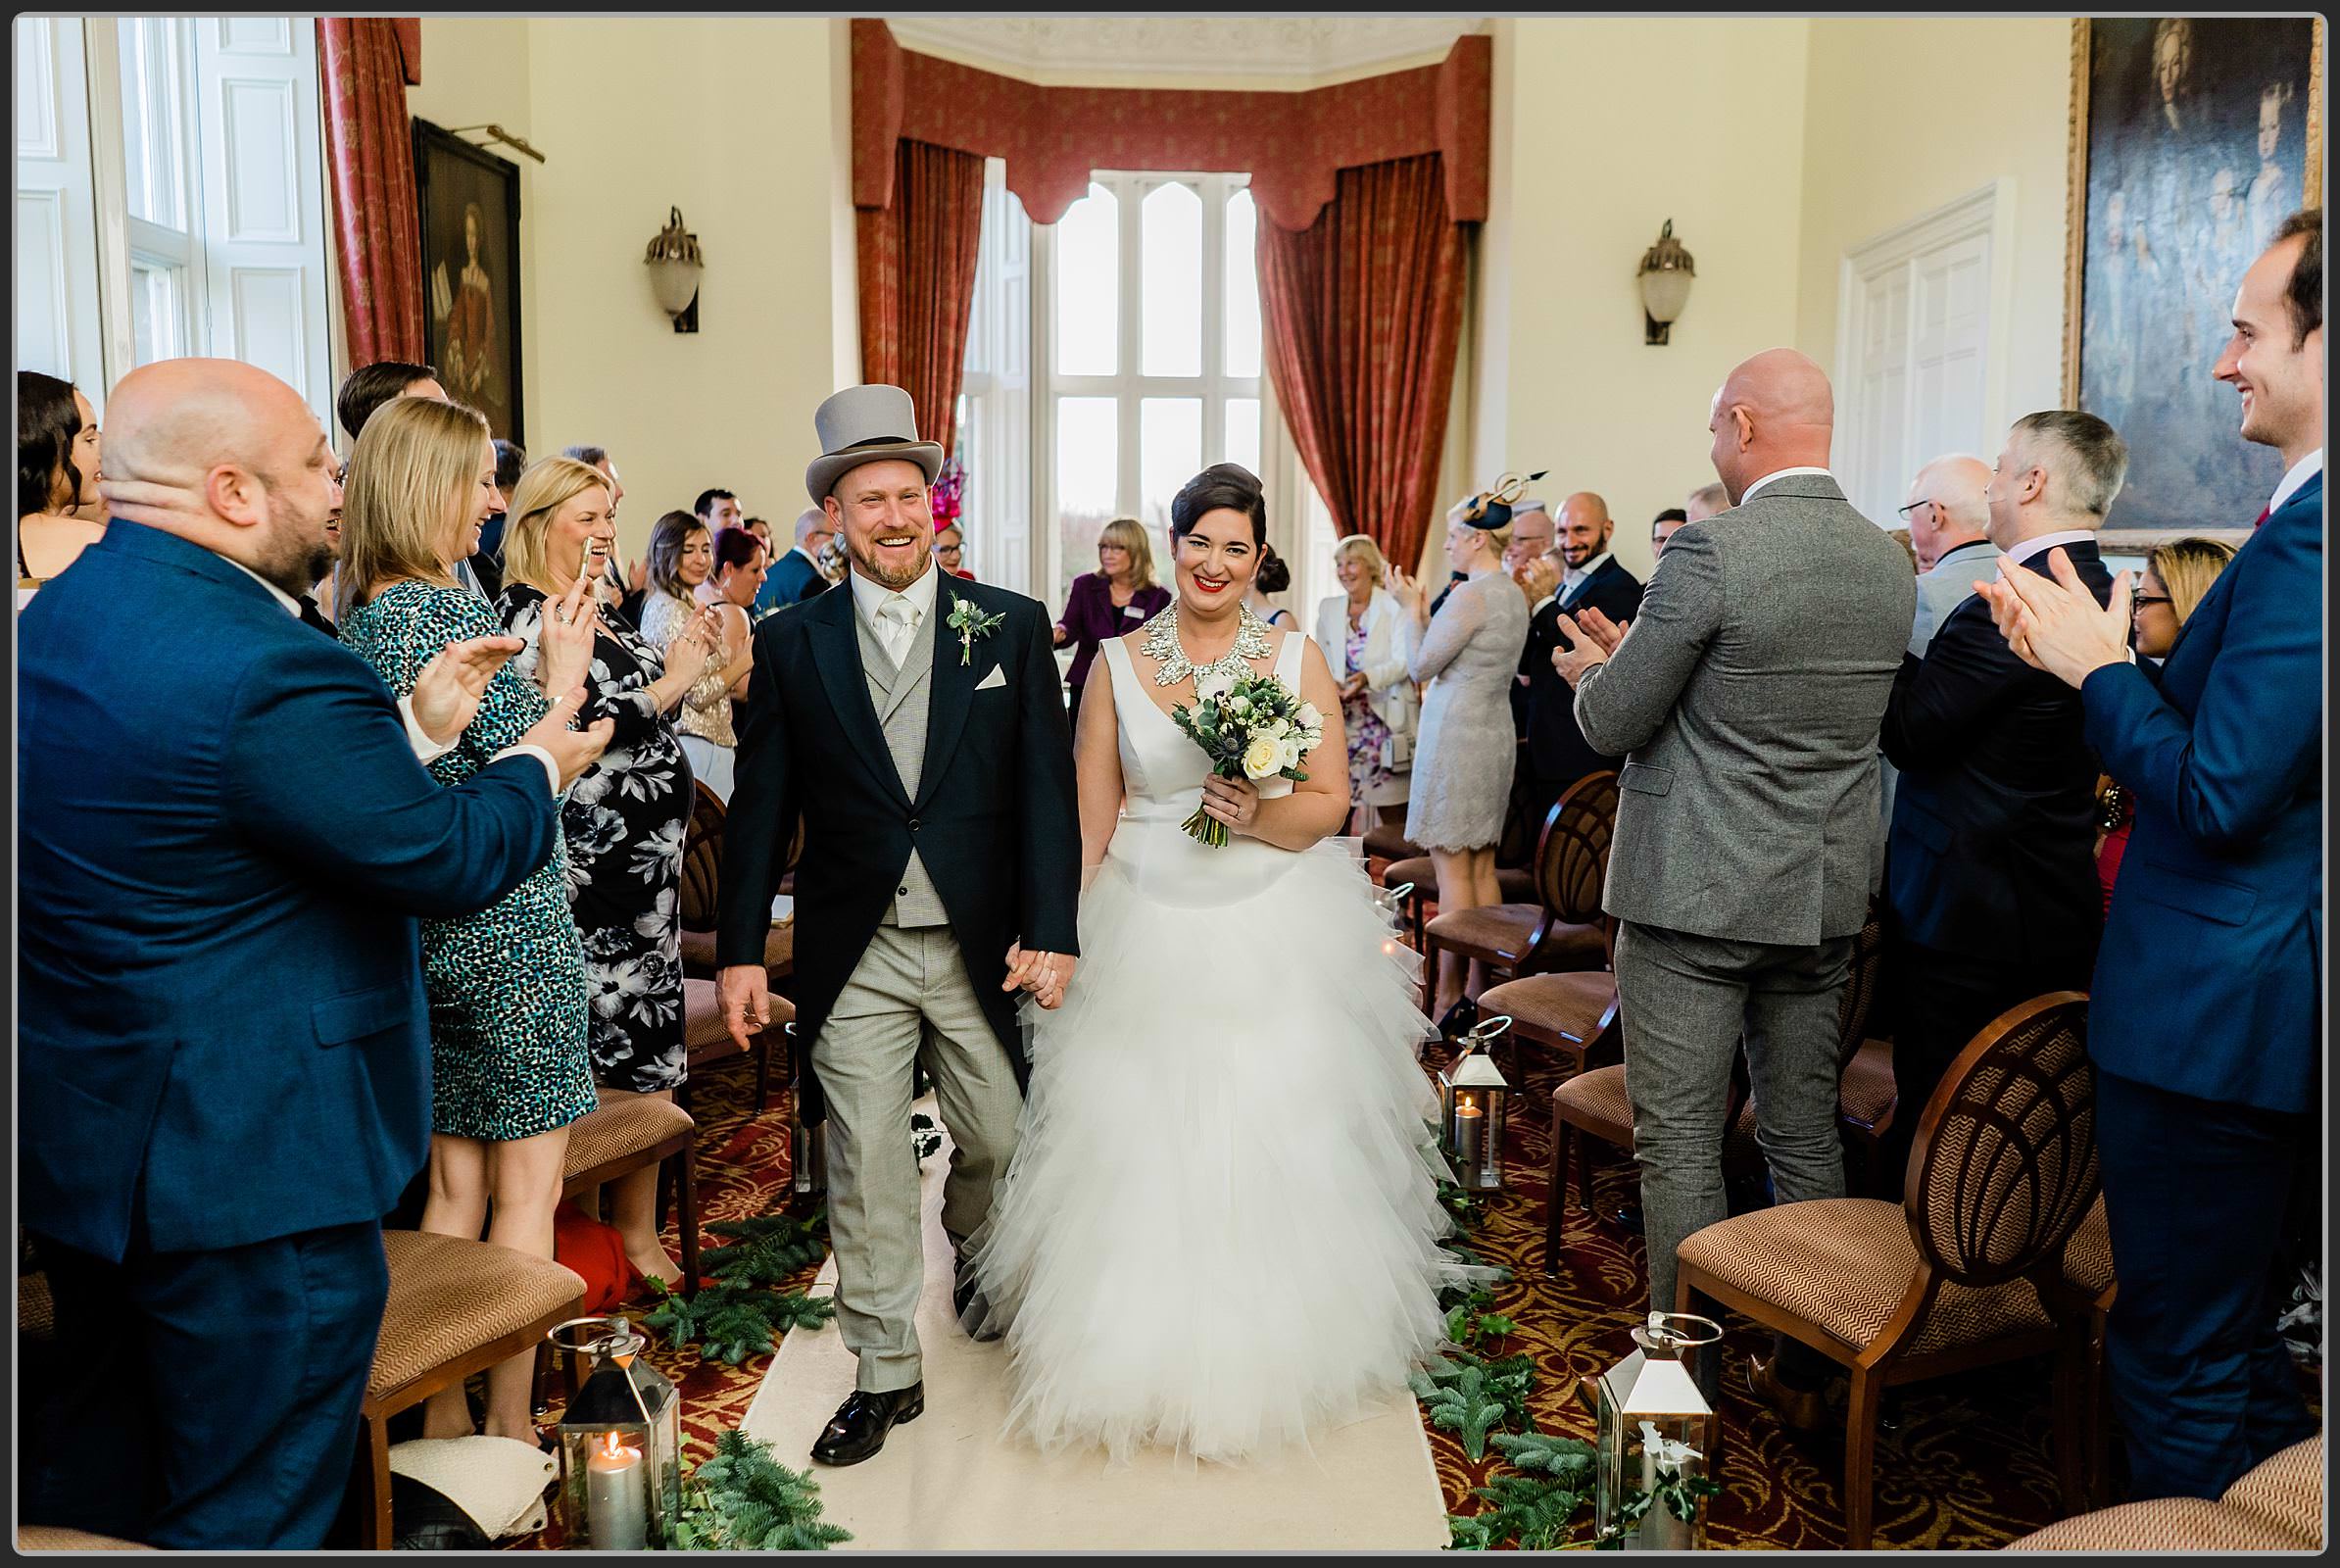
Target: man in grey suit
(1949,516)
(1746,703)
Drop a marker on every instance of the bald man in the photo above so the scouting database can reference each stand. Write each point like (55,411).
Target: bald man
(1745,701)
(1591,577)
(223,1046)
(1949,516)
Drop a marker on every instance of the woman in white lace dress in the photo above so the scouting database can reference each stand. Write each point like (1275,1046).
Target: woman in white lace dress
(681,555)
(1463,758)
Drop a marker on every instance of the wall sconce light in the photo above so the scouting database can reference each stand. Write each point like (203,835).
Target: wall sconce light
(1665,279)
(674,267)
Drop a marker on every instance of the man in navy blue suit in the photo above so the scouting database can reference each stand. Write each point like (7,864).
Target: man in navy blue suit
(222,1049)
(2204,1021)
(796,576)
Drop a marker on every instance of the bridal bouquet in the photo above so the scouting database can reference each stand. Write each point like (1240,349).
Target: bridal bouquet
(1250,726)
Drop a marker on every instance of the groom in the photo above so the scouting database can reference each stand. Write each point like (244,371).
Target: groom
(919,730)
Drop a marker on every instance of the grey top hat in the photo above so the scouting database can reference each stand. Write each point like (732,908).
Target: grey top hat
(866,424)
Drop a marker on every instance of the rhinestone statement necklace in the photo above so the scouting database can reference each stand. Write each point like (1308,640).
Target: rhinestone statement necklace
(1161,643)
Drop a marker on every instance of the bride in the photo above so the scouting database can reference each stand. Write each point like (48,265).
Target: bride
(1220,1230)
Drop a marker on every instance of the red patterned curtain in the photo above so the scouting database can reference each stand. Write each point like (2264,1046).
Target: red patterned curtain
(918,280)
(1362,313)
(367,64)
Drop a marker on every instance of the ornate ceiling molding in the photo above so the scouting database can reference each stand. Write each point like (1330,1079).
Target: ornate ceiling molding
(1172,46)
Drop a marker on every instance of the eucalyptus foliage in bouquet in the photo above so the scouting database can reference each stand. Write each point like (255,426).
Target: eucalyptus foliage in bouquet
(1250,726)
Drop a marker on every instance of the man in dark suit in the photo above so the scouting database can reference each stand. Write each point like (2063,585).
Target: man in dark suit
(1991,894)
(488,561)
(2204,1016)
(932,765)
(1593,579)
(796,576)
(223,1049)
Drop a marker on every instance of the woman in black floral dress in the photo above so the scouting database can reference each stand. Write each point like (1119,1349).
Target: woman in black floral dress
(624,817)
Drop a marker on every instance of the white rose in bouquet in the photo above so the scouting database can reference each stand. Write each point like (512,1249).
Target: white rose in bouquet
(1213,683)
(1264,757)
(1308,717)
(1290,749)
(1240,706)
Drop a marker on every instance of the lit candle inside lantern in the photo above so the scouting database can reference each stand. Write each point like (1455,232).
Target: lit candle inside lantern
(1469,1134)
(615,1509)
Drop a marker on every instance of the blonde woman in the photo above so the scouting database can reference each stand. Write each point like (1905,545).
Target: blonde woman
(682,562)
(624,817)
(1467,655)
(2176,576)
(1369,637)
(507,986)
(1117,598)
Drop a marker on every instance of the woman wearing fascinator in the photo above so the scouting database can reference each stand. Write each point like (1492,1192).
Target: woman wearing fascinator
(1467,654)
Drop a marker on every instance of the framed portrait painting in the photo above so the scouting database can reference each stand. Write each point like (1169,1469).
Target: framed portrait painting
(471,209)
(2191,139)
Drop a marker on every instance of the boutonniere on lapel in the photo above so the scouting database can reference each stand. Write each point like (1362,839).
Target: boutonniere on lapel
(970,623)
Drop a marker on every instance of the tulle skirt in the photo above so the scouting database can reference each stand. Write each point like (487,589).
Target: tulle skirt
(1220,1232)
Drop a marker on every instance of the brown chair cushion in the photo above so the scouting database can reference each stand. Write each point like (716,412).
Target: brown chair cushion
(2088,1256)
(1596,1103)
(56,1538)
(2166,1524)
(448,1296)
(779,952)
(1386,841)
(1414,868)
(703,1016)
(1501,932)
(36,1312)
(2286,1491)
(1571,1004)
(1867,1090)
(1844,1264)
(622,1124)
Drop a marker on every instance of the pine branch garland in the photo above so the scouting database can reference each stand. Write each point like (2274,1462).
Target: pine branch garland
(741,1499)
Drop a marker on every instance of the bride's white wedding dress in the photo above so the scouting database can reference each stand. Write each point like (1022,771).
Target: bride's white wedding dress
(1220,1230)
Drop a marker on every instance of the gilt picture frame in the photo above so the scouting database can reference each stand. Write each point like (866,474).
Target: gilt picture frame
(470,210)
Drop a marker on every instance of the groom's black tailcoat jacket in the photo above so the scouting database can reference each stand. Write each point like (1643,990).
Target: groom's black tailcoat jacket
(996,822)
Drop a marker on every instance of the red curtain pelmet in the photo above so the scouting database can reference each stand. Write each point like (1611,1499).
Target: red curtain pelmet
(369,155)
(918,280)
(1362,313)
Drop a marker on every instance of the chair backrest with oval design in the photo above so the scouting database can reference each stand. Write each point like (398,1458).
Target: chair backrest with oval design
(2005,1165)
(703,863)
(1571,858)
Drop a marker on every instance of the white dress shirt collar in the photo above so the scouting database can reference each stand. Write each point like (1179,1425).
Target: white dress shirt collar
(2047,542)
(2308,467)
(1570,576)
(868,596)
(1779,473)
(291,604)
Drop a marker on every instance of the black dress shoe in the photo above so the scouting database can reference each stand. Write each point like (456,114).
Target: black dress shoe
(965,1298)
(858,1428)
(1459,1020)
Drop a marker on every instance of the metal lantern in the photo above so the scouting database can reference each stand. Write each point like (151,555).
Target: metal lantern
(1665,277)
(1473,1099)
(620,1444)
(1655,1429)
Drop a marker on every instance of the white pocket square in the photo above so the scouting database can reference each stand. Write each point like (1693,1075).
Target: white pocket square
(996,678)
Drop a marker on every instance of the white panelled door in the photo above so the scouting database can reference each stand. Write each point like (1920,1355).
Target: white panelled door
(56,317)
(1915,334)
(263,213)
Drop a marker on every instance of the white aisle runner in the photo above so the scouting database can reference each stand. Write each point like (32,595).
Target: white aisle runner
(950,1480)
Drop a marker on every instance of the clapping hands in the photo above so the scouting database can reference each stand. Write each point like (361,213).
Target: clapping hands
(1539,579)
(1044,974)
(1408,590)
(565,646)
(1591,638)
(447,692)
(689,654)
(2057,625)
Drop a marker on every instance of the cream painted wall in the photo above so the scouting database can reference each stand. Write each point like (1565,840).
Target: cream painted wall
(1878,153)
(1604,129)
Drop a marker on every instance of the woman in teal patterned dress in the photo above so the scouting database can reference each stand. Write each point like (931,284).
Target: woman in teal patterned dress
(507,986)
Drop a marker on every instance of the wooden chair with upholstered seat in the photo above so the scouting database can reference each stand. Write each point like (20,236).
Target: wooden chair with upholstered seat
(2088,1275)
(1556,927)
(1965,1271)
(1515,851)
(706,1041)
(702,878)
(2277,1506)
(626,1132)
(57,1537)
(456,1308)
(1570,1010)
(1593,1105)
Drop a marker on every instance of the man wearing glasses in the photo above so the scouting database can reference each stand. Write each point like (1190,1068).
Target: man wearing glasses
(1948,514)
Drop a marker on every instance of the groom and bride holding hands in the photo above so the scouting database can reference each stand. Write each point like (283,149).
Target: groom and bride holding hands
(1227,1093)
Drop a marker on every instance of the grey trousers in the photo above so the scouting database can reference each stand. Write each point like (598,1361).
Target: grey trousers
(1686,1002)
(909,1000)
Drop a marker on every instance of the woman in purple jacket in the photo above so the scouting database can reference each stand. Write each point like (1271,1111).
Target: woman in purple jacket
(1117,598)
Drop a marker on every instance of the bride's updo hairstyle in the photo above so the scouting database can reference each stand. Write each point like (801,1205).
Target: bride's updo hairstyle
(1227,485)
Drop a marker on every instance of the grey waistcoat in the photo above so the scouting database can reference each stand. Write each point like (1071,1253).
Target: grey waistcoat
(899,697)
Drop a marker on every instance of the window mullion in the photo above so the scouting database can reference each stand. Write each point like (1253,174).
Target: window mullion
(1214,318)
(1129,194)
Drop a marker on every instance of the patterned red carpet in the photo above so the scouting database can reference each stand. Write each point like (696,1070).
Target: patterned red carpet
(1967,1465)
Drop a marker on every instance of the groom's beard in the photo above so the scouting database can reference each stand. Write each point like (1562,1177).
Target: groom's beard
(896,578)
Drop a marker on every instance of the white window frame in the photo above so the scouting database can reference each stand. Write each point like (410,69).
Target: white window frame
(1129,386)
(229,270)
